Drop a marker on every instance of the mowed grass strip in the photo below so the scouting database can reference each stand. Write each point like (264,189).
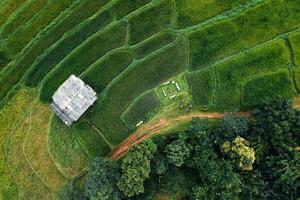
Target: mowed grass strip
(8,8)
(141,109)
(10,115)
(122,8)
(92,143)
(152,20)
(36,151)
(263,88)
(104,70)
(63,47)
(27,11)
(137,79)
(64,149)
(17,41)
(154,43)
(231,73)
(192,12)
(29,184)
(203,85)
(256,25)
(80,59)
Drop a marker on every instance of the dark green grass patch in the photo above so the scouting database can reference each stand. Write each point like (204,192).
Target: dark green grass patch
(192,12)
(83,57)
(103,71)
(64,47)
(260,89)
(295,43)
(137,79)
(27,11)
(4,59)
(141,109)
(122,8)
(150,21)
(255,26)
(91,142)
(162,39)
(64,149)
(8,8)
(17,41)
(202,84)
(231,73)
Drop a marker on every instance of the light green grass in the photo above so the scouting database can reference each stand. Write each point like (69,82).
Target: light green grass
(259,24)
(263,88)
(191,12)
(10,115)
(231,73)
(122,8)
(8,8)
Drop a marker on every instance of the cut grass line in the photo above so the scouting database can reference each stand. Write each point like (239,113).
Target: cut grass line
(100,133)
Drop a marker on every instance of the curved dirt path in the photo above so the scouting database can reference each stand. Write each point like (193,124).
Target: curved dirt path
(152,128)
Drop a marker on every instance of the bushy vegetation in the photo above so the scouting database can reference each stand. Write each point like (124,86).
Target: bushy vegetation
(142,76)
(64,46)
(258,90)
(195,11)
(104,70)
(259,162)
(143,25)
(257,25)
(202,84)
(90,141)
(83,57)
(141,109)
(231,73)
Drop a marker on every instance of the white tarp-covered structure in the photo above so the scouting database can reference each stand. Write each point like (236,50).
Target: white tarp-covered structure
(72,99)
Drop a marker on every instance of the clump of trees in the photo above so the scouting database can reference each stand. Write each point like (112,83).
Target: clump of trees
(233,158)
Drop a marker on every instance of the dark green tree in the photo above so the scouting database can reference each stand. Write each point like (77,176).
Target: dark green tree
(102,180)
(136,168)
(71,191)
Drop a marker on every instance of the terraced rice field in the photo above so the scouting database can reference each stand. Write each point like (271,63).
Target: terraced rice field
(227,56)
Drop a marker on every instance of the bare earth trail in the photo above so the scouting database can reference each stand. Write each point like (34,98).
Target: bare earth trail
(152,128)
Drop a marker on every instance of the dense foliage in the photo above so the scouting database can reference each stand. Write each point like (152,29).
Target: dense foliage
(237,157)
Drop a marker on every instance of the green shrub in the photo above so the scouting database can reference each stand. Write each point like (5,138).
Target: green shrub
(231,73)
(18,40)
(122,8)
(195,11)
(142,107)
(92,143)
(150,21)
(8,8)
(60,139)
(258,90)
(202,84)
(137,79)
(64,47)
(148,46)
(80,59)
(259,24)
(103,71)
(27,11)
